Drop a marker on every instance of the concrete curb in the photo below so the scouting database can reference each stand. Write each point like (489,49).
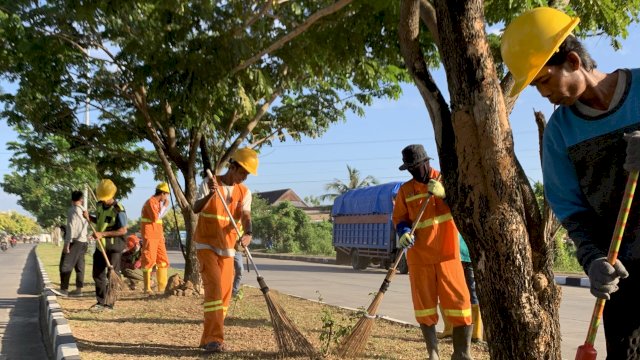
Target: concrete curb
(578,281)
(55,328)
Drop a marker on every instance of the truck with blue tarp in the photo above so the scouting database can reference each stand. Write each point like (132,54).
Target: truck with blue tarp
(363,232)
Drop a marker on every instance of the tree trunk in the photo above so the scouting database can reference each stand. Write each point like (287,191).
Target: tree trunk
(191,267)
(491,199)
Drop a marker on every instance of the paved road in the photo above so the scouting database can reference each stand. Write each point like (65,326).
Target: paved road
(342,286)
(19,307)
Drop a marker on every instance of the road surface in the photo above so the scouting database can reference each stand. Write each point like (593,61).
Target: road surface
(19,305)
(342,286)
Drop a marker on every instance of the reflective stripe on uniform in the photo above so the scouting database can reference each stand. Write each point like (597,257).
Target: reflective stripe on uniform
(214,305)
(434,221)
(146,220)
(214,216)
(219,217)
(415,197)
(457,313)
(425,312)
(222,252)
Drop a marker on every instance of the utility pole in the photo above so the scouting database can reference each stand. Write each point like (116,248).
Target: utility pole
(86,122)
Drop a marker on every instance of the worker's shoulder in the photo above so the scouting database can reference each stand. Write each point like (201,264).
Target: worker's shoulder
(118,207)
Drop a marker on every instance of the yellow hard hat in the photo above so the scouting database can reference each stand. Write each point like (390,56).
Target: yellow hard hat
(531,39)
(106,190)
(164,187)
(248,159)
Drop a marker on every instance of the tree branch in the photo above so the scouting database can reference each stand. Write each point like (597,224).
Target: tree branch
(506,84)
(429,18)
(297,31)
(252,124)
(409,29)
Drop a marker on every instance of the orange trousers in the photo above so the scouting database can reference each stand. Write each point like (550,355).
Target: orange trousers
(154,252)
(444,282)
(217,279)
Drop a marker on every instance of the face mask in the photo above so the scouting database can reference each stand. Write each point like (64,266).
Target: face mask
(420,173)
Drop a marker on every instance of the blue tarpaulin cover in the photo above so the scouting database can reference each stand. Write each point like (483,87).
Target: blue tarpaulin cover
(376,199)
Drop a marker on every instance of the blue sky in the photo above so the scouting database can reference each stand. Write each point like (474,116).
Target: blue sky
(371,143)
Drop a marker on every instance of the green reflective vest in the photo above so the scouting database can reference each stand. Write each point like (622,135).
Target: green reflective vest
(106,219)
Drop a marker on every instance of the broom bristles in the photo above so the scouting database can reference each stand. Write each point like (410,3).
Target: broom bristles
(289,339)
(113,288)
(355,342)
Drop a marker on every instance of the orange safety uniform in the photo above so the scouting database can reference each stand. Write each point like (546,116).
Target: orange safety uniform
(435,269)
(154,251)
(215,241)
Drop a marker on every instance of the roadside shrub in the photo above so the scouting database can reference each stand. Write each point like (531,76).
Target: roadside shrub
(565,255)
(316,239)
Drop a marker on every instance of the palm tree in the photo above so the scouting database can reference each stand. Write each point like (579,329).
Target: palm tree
(337,187)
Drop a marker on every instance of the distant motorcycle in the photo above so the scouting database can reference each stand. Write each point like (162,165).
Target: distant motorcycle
(4,245)
(13,242)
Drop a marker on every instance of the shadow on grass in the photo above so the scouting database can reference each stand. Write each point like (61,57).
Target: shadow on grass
(113,348)
(156,321)
(249,323)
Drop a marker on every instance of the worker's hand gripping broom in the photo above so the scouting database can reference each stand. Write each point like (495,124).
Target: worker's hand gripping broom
(115,285)
(587,351)
(355,342)
(290,340)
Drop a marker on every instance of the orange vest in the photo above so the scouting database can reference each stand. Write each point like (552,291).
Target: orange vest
(150,222)
(436,235)
(214,226)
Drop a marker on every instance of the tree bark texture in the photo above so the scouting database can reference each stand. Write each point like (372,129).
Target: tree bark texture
(492,202)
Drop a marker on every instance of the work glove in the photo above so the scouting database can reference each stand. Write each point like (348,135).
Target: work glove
(435,187)
(604,278)
(406,240)
(633,151)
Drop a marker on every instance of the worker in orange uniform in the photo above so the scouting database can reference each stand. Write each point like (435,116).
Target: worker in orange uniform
(154,251)
(216,238)
(435,269)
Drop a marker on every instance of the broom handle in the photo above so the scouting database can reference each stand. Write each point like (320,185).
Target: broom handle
(261,282)
(623,213)
(102,249)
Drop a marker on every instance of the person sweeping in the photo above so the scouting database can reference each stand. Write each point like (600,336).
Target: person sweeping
(590,147)
(435,270)
(110,228)
(154,251)
(215,240)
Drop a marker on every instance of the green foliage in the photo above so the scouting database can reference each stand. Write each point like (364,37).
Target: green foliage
(338,187)
(281,226)
(565,259)
(609,17)
(285,228)
(312,200)
(333,330)
(316,239)
(17,224)
(47,168)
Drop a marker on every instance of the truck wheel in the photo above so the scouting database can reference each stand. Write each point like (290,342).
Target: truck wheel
(403,267)
(358,262)
(342,258)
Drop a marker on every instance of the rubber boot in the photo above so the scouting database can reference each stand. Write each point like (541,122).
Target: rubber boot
(461,342)
(447,327)
(431,339)
(161,275)
(146,277)
(477,323)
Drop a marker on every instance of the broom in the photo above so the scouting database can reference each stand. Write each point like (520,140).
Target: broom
(586,351)
(355,342)
(115,284)
(290,340)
